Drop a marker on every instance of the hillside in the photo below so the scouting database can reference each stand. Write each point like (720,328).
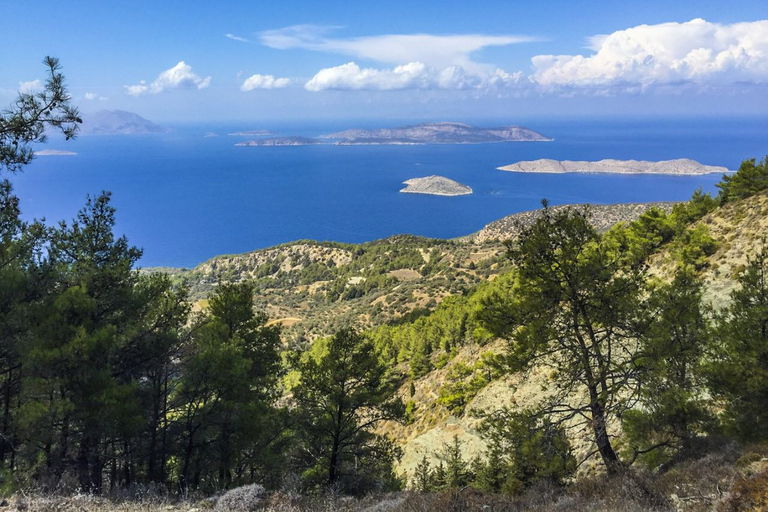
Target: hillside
(738,228)
(314,288)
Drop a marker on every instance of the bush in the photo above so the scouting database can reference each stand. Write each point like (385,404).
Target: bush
(242,499)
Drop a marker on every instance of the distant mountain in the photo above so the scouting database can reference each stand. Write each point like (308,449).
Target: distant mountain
(437,133)
(118,122)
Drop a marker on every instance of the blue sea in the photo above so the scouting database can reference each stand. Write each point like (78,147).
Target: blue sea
(184,198)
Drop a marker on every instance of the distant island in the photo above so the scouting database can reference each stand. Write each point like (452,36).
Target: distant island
(251,133)
(436,186)
(680,166)
(54,152)
(427,133)
(281,141)
(436,133)
(118,122)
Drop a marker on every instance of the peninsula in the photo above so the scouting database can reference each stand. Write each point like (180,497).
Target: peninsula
(436,186)
(680,166)
(436,133)
(280,141)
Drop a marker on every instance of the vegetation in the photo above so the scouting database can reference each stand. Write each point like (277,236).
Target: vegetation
(110,382)
(341,395)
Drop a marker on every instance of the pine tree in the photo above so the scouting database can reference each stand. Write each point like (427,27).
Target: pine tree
(674,410)
(344,392)
(738,373)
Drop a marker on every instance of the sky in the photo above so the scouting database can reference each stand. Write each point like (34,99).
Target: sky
(192,61)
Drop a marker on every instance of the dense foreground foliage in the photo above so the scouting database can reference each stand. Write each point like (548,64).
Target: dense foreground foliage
(110,383)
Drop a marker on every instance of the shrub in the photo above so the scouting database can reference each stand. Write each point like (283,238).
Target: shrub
(242,499)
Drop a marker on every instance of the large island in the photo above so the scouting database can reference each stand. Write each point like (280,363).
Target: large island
(436,186)
(680,166)
(118,122)
(426,133)
(436,133)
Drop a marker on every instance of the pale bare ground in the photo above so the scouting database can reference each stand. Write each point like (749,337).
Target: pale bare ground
(405,274)
(284,322)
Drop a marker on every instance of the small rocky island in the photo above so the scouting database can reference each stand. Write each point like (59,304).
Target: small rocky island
(280,141)
(436,186)
(681,166)
(436,133)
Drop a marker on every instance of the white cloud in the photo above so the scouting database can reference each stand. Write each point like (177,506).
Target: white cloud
(237,38)
(264,82)
(31,86)
(91,96)
(695,52)
(180,75)
(438,51)
(415,75)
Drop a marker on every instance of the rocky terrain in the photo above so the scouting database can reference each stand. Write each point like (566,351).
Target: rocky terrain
(436,133)
(603,218)
(682,166)
(280,141)
(436,186)
(118,122)
(314,288)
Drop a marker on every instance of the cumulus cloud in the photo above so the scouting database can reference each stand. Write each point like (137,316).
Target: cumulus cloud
(180,75)
(264,82)
(31,86)
(439,51)
(90,96)
(415,75)
(695,52)
(237,38)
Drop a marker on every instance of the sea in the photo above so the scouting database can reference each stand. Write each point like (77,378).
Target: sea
(184,197)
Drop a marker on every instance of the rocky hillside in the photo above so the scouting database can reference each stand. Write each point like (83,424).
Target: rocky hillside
(314,288)
(739,229)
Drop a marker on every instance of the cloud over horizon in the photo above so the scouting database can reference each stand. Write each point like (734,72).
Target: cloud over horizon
(30,86)
(179,76)
(439,51)
(694,52)
(414,75)
(264,82)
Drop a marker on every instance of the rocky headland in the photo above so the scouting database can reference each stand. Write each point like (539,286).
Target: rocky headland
(680,166)
(436,186)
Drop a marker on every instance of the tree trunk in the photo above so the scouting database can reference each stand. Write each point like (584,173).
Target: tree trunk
(602,440)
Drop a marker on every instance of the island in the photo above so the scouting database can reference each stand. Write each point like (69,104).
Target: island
(118,122)
(436,133)
(281,141)
(54,152)
(436,186)
(680,166)
(250,133)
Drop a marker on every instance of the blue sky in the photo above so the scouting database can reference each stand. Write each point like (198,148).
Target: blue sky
(193,60)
